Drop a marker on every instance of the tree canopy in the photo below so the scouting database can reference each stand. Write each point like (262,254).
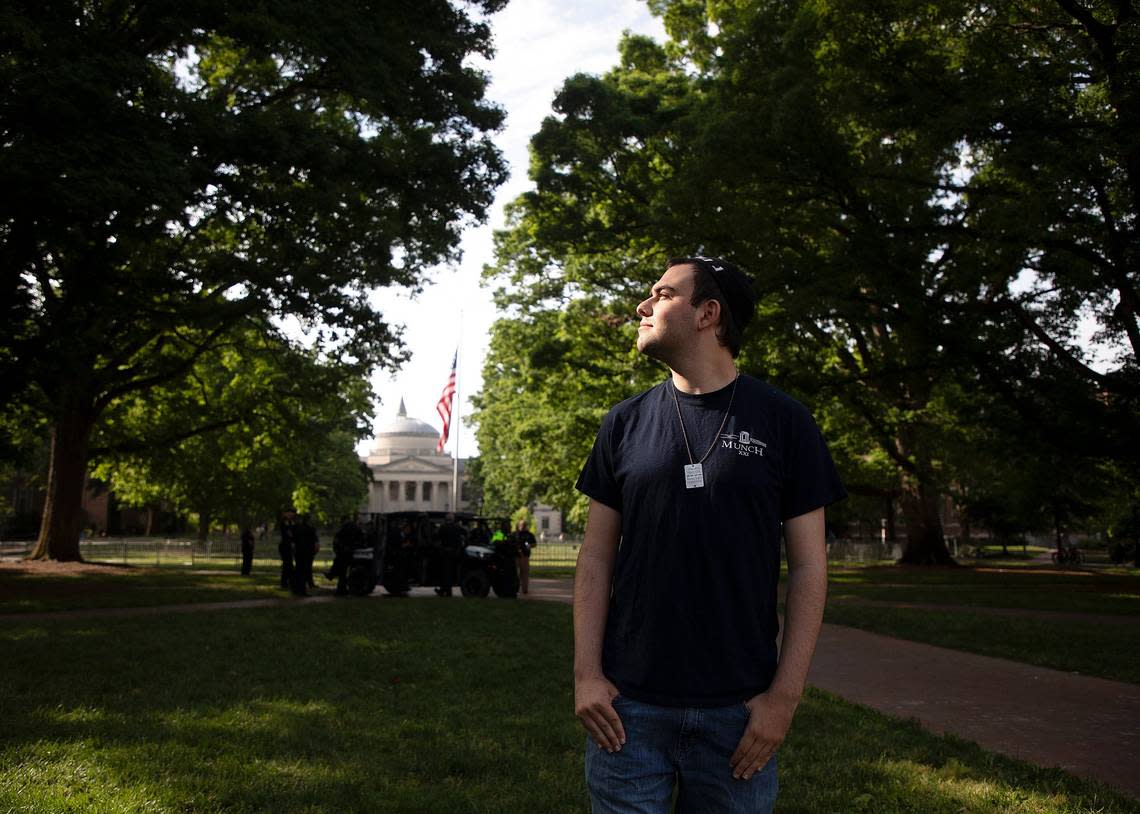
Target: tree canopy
(273,427)
(934,198)
(175,169)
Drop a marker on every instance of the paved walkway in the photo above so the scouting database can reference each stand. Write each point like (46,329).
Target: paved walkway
(1087,726)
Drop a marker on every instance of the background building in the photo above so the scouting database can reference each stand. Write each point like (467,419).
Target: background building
(547,522)
(408,474)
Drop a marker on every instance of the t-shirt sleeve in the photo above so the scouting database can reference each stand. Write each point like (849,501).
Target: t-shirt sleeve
(597,479)
(810,477)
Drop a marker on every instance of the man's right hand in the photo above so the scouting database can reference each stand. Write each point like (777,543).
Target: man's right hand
(593,704)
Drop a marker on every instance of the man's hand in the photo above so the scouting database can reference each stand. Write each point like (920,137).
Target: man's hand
(768,722)
(593,704)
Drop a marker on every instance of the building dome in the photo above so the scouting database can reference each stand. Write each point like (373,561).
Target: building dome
(402,425)
(406,435)
(409,473)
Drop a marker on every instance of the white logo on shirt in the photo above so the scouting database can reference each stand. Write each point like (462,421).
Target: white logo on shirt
(743,442)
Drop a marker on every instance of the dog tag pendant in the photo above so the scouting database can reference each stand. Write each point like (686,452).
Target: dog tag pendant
(694,476)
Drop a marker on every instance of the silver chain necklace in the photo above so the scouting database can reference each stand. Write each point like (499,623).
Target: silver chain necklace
(694,470)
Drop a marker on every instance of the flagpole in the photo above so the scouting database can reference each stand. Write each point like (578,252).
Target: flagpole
(458,416)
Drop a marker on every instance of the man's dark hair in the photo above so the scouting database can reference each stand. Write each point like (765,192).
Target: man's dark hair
(717,279)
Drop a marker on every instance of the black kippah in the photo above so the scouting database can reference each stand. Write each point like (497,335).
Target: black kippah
(738,289)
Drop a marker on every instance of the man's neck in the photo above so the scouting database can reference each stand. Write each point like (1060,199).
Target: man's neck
(705,378)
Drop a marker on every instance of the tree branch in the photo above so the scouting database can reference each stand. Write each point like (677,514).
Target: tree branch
(1101,33)
(144,445)
(1064,354)
(175,371)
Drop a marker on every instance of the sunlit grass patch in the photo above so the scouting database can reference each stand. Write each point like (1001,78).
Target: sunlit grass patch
(959,787)
(30,592)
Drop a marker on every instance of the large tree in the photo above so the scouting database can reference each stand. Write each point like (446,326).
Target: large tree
(933,197)
(172,168)
(746,160)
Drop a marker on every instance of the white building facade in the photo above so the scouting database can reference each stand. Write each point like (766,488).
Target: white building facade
(547,522)
(408,474)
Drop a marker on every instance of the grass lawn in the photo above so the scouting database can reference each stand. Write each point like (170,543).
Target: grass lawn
(1041,588)
(552,572)
(29,589)
(395,705)
(1107,651)
(1090,647)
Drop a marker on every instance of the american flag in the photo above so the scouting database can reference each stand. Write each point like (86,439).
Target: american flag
(444,405)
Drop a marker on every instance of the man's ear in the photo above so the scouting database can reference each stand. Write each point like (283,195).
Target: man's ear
(708,313)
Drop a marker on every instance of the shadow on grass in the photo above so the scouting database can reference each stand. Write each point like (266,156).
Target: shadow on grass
(1034,589)
(350,707)
(415,706)
(28,588)
(1103,650)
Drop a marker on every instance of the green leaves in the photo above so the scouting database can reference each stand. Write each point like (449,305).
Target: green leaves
(213,156)
(257,425)
(931,196)
(176,170)
(547,381)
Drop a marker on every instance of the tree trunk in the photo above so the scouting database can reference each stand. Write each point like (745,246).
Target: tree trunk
(63,506)
(925,543)
(203,526)
(150,513)
(1136,535)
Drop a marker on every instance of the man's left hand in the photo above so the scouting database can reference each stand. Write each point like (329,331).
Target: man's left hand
(768,722)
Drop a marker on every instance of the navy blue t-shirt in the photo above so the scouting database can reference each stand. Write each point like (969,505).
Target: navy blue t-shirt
(692,617)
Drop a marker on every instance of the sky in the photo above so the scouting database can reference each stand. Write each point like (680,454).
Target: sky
(539,44)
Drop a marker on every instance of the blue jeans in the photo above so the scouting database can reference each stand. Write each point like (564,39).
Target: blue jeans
(686,747)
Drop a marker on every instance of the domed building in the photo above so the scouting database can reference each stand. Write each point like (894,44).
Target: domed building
(408,474)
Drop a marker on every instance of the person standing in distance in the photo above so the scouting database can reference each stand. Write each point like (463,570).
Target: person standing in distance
(676,676)
(525,542)
(305,548)
(288,529)
(450,543)
(247,540)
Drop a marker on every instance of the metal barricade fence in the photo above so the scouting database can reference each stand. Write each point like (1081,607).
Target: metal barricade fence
(854,551)
(564,553)
(224,552)
(555,554)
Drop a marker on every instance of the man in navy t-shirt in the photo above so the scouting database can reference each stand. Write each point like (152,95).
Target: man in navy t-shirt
(692,483)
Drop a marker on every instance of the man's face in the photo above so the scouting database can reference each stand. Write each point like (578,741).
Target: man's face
(668,318)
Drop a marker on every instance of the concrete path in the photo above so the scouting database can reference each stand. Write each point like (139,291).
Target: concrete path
(1087,726)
